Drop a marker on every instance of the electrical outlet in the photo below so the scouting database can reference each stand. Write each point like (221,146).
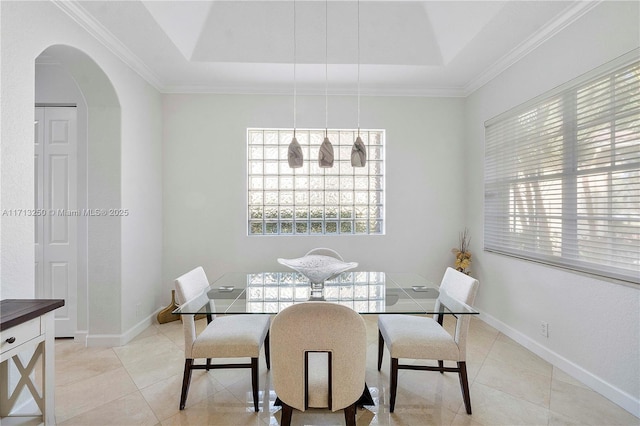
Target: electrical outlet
(544,328)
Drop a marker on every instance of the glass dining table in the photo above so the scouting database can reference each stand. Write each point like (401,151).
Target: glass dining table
(365,292)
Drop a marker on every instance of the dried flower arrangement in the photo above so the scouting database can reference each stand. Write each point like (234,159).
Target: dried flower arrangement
(462,253)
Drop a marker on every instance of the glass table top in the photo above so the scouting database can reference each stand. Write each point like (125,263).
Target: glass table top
(364,292)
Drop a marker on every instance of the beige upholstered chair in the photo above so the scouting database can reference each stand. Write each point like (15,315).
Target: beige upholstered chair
(412,337)
(233,336)
(319,358)
(325,252)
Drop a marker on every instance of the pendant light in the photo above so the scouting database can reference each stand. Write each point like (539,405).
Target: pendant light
(325,155)
(359,151)
(294,153)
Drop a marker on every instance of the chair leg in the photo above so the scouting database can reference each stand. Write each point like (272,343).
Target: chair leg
(254,382)
(441,365)
(394,383)
(287,411)
(267,351)
(350,415)
(208,364)
(380,349)
(464,385)
(186,381)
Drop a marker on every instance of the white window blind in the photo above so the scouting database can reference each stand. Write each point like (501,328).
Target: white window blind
(562,177)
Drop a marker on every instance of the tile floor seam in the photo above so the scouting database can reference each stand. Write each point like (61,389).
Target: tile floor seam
(550,391)
(102,405)
(548,404)
(97,406)
(149,406)
(130,376)
(484,359)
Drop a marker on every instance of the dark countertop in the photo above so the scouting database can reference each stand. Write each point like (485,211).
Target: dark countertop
(16,311)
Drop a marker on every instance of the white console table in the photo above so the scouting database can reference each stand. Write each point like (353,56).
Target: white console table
(27,325)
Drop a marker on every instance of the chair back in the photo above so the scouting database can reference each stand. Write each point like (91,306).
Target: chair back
(189,286)
(318,326)
(463,288)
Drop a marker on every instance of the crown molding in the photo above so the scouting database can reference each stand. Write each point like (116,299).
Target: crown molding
(76,12)
(441,92)
(563,20)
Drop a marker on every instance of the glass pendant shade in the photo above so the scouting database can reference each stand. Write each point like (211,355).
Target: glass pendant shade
(358,153)
(325,156)
(294,154)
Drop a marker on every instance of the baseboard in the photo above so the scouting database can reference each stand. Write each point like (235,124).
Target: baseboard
(80,336)
(618,396)
(110,340)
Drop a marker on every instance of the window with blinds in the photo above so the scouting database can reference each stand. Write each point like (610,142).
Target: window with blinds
(341,200)
(562,177)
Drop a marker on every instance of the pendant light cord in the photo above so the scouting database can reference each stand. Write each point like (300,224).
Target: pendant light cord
(326,69)
(294,69)
(358,67)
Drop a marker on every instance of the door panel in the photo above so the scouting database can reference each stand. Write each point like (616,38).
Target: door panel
(56,232)
(58,191)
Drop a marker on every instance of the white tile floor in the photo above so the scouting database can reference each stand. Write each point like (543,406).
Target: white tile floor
(139,384)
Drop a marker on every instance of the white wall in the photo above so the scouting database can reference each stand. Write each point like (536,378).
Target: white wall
(16,167)
(205,188)
(142,196)
(594,325)
(28,28)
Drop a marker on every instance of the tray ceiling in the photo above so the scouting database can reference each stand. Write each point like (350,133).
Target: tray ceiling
(447,48)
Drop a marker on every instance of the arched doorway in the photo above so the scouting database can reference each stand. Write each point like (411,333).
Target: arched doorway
(68,78)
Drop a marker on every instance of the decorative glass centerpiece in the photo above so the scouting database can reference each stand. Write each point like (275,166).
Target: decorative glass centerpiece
(318,268)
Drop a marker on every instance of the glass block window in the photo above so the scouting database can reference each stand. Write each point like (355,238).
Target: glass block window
(341,200)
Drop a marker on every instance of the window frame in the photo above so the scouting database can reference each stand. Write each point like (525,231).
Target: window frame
(323,217)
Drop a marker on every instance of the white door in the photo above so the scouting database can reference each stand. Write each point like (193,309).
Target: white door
(56,212)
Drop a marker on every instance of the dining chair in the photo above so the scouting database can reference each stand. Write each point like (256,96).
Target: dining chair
(232,336)
(413,337)
(325,252)
(319,358)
